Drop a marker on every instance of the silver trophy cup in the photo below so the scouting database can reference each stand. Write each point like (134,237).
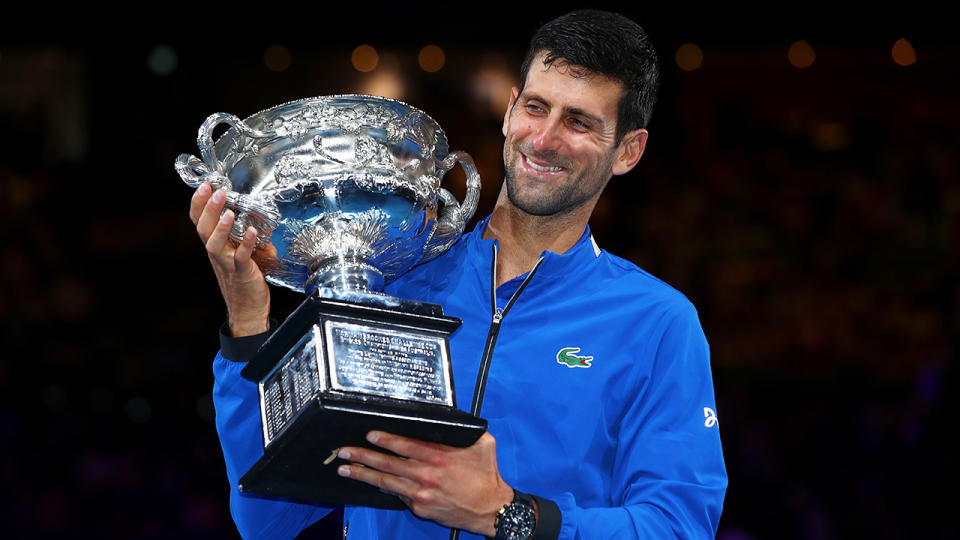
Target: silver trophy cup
(345,193)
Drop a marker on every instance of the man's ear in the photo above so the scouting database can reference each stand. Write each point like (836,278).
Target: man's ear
(506,115)
(629,152)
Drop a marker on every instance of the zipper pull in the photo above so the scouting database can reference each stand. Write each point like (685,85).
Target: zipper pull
(498,316)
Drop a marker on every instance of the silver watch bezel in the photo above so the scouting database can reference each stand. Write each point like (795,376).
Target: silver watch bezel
(520,515)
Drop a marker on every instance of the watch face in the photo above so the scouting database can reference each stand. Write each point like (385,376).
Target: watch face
(517,522)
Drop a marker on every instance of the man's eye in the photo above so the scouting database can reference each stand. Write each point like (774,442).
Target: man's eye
(534,108)
(579,124)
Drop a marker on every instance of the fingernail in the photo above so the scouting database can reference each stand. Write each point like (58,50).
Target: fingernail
(219,196)
(343,454)
(373,436)
(343,470)
(204,188)
(227,217)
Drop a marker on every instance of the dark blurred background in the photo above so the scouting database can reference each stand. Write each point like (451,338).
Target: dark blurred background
(800,186)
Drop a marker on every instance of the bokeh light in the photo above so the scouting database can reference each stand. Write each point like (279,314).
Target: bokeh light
(801,54)
(386,83)
(277,58)
(162,60)
(689,57)
(431,58)
(364,58)
(903,52)
(831,136)
(491,88)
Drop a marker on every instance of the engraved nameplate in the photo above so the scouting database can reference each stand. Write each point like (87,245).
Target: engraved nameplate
(292,384)
(406,365)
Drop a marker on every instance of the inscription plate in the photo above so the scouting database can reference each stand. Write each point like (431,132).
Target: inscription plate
(406,365)
(289,387)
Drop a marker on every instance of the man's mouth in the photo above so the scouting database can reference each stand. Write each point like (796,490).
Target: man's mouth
(542,167)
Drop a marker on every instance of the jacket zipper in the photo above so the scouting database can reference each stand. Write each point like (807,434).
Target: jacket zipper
(498,316)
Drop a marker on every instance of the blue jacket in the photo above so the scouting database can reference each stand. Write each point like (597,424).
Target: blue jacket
(599,396)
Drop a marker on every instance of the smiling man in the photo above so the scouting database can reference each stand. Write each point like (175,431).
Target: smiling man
(594,375)
(562,144)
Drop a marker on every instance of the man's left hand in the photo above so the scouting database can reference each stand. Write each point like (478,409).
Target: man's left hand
(456,487)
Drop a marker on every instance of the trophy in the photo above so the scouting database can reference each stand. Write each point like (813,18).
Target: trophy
(345,194)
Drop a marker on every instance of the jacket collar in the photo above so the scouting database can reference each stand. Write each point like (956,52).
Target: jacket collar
(581,256)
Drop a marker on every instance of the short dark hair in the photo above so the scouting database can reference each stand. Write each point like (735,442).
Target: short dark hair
(608,44)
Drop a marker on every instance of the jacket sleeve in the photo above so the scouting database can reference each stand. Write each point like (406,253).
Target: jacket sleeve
(669,478)
(238,425)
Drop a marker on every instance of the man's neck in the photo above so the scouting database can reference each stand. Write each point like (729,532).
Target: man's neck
(523,237)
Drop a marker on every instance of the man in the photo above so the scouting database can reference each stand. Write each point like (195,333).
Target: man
(594,376)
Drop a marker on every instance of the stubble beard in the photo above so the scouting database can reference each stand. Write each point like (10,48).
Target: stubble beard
(571,195)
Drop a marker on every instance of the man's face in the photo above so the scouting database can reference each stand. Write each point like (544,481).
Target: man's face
(560,132)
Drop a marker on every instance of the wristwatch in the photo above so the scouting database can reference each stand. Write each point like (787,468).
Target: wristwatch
(516,520)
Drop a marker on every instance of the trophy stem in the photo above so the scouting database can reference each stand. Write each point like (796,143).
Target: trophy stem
(345,273)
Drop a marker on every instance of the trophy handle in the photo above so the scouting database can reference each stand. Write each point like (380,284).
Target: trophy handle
(454,216)
(250,210)
(194,172)
(205,137)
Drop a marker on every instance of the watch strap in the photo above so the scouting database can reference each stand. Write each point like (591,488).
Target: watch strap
(523,497)
(549,519)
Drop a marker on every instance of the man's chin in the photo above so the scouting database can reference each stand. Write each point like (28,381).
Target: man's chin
(532,204)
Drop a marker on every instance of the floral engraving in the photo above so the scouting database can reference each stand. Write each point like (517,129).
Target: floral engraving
(370,152)
(290,169)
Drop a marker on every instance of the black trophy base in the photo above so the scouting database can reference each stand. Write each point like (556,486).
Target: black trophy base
(308,415)
(293,468)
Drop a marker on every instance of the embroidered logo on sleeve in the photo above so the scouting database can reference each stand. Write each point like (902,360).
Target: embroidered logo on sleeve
(567,358)
(710,417)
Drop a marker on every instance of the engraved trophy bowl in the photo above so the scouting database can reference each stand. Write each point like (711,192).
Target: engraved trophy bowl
(345,188)
(345,193)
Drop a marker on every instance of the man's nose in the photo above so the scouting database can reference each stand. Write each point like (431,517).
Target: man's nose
(547,136)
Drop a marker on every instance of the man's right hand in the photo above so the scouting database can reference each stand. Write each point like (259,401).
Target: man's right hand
(241,281)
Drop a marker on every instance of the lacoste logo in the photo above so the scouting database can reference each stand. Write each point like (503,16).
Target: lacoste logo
(710,417)
(567,358)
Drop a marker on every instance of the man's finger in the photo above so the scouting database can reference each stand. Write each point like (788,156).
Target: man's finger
(244,252)
(380,461)
(217,242)
(211,214)
(401,486)
(198,201)
(406,447)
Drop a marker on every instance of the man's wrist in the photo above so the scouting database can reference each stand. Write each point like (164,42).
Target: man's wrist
(504,497)
(244,328)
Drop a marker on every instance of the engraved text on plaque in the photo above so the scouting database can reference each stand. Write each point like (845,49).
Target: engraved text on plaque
(397,364)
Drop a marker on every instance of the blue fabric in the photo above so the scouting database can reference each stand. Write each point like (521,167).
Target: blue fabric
(623,446)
